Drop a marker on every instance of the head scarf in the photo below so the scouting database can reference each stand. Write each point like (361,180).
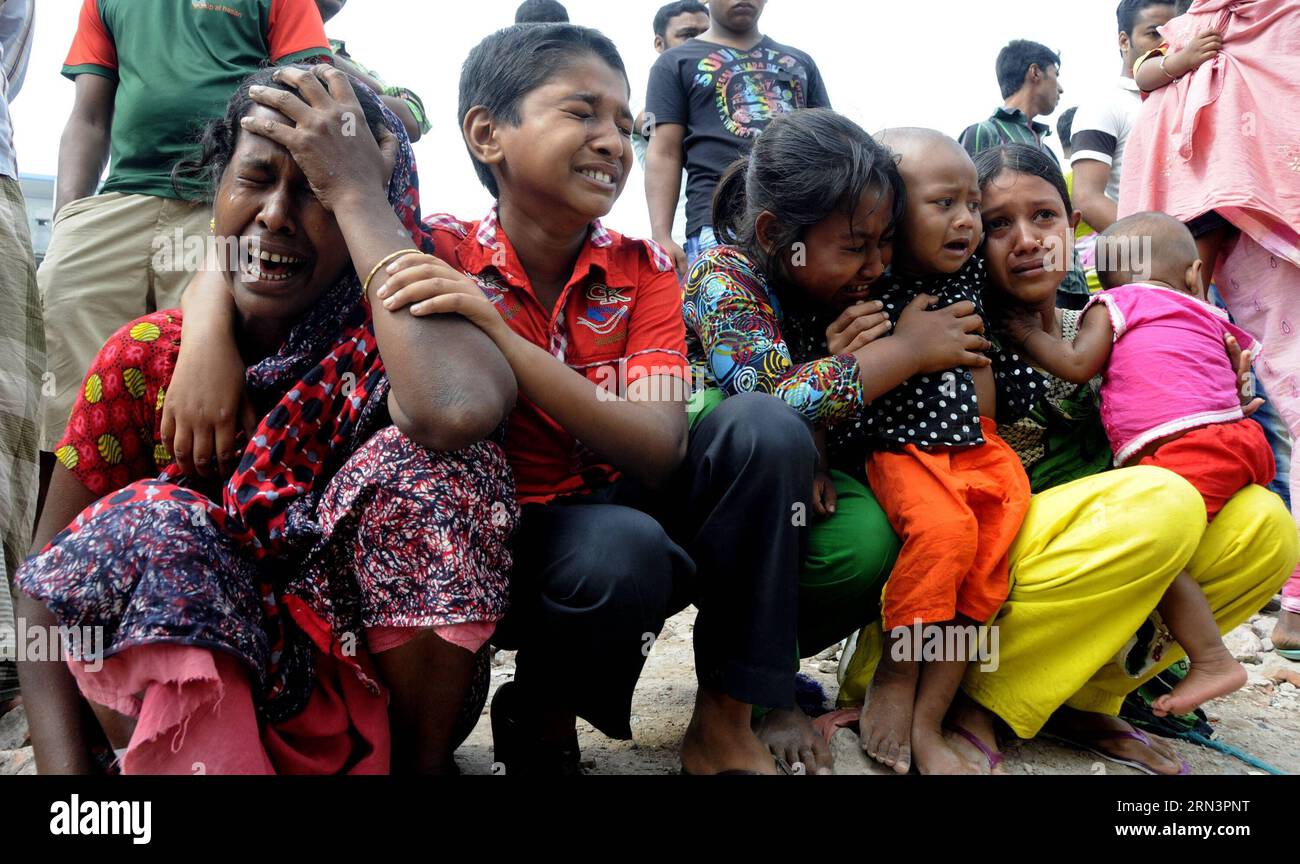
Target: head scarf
(332,390)
(333,387)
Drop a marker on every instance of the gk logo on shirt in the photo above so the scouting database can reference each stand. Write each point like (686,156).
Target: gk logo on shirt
(606,296)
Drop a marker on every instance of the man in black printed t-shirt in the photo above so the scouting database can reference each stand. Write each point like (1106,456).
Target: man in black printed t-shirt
(707,101)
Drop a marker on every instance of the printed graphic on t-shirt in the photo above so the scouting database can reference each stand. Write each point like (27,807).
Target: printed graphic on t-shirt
(751,88)
(606,315)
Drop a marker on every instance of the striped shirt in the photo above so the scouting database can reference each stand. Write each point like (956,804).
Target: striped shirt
(1006,126)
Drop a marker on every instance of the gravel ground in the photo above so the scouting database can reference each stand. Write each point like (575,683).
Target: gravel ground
(1262,719)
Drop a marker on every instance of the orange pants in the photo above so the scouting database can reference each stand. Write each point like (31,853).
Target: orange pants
(957,512)
(1219,460)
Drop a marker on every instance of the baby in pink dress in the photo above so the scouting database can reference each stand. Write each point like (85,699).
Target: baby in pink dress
(1169,398)
(1217,146)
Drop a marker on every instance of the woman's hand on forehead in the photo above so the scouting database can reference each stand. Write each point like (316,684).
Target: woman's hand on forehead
(329,140)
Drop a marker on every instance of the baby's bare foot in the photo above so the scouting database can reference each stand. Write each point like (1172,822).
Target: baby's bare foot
(1208,679)
(886,722)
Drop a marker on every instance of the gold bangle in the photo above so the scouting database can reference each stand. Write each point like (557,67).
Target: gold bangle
(391,256)
(1164,70)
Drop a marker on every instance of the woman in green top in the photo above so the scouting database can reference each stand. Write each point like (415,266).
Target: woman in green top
(1098,547)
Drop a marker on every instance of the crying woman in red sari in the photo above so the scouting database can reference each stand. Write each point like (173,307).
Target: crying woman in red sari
(321,602)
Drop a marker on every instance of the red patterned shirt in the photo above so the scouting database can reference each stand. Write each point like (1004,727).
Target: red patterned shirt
(619,318)
(113,437)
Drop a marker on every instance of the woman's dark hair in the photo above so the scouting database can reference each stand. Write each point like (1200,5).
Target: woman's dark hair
(221,136)
(1183,6)
(511,63)
(805,166)
(1022,159)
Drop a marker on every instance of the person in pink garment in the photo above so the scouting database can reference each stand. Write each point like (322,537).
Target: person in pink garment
(1168,398)
(1212,149)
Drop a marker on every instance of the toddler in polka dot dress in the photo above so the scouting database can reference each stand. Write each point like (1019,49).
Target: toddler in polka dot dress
(954,491)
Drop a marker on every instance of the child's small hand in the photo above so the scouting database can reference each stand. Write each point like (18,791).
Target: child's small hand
(431,286)
(1018,323)
(1207,44)
(856,327)
(206,406)
(823,494)
(943,338)
(1241,361)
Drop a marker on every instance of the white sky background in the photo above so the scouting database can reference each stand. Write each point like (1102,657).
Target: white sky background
(885,62)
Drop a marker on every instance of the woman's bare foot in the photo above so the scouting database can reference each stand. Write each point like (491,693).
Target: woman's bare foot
(978,721)
(789,735)
(886,724)
(1097,730)
(1286,635)
(1209,678)
(719,738)
(935,756)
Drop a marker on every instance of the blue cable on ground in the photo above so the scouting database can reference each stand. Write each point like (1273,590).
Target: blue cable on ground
(1229,750)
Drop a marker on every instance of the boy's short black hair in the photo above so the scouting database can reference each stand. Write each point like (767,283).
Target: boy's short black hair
(1183,6)
(672,10)
(1127,12)
(1065,126)
(1014,62)
(511,63)
(541,12)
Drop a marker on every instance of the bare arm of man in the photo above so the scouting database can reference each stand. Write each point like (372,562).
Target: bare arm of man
(663,186)
(1090,178)
(83,149)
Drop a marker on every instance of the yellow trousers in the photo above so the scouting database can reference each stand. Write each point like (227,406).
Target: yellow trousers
(1091,563)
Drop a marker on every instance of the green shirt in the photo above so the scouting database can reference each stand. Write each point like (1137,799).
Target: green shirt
(1006,126)
(176,64)
(413,101)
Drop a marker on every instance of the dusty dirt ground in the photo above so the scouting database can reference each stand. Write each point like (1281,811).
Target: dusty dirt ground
(1262,719)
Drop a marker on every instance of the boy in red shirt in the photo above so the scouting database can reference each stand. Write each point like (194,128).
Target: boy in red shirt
(625,518)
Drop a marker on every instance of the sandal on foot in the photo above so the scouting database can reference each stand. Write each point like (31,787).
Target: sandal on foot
(994,757)
(1090,742)
(844,718)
